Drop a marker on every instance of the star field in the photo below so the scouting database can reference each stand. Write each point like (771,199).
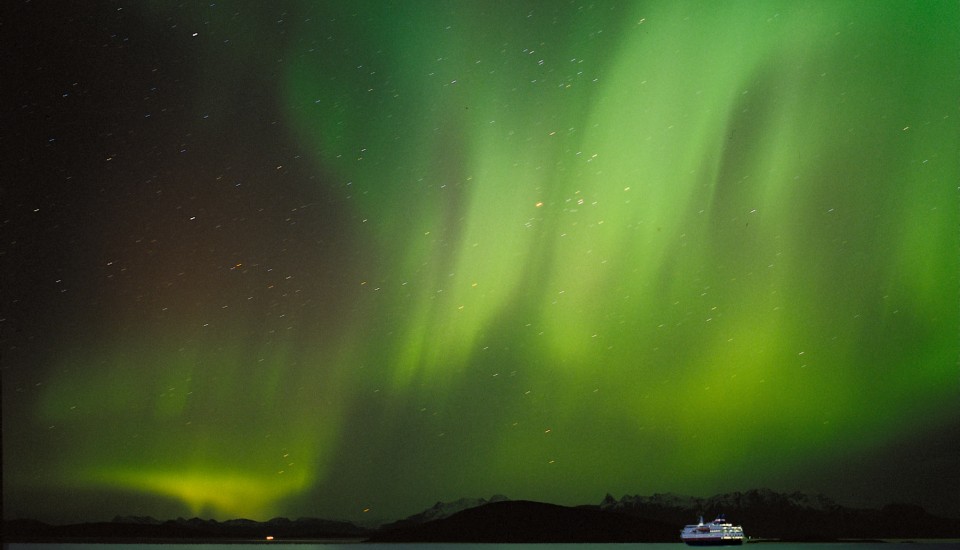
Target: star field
(346,259)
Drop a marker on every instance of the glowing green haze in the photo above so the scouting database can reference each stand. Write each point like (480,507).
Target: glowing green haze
(615,247)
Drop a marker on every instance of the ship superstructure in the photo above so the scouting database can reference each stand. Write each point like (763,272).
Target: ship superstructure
(718,532)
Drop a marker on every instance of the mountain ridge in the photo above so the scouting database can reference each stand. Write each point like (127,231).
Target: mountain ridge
(658,517)
(524,521)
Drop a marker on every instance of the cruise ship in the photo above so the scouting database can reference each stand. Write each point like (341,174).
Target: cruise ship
(718,532)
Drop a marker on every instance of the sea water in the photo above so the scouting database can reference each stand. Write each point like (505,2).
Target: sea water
(305,545)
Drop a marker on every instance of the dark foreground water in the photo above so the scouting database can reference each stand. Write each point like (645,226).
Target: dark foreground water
(898,545)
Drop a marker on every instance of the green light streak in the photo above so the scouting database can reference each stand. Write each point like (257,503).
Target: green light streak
(586,247)
(212,492)
(209,429)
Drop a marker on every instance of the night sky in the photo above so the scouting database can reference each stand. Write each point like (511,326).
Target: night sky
(347,259)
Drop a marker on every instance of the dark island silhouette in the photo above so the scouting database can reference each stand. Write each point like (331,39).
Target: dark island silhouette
(764,514)
(523,521)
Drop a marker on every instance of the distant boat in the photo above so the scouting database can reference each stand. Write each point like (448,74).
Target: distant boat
(718,532)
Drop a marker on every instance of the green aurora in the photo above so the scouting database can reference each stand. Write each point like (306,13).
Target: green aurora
(545,249)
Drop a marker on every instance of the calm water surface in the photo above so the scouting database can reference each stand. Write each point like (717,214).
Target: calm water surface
(446,546)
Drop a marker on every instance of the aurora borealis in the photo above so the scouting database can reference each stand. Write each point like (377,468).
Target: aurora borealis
(347,259)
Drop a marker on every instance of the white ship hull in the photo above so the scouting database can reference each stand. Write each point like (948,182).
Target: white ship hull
(713,541)
(716,533)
